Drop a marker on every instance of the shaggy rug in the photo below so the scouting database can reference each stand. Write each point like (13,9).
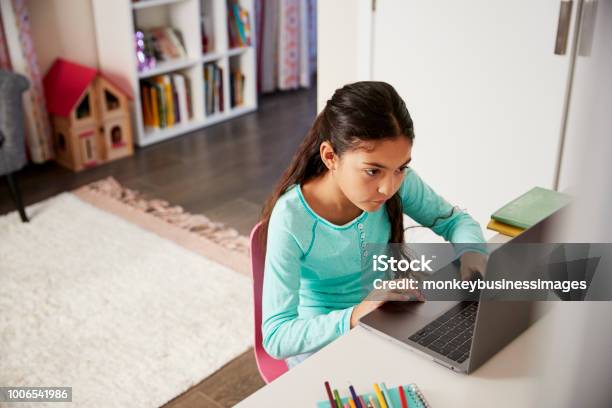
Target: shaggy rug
(128,301)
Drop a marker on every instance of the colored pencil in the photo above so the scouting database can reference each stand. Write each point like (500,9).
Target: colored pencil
(402,394)
(387,396)
(352,403)
(373,402)
(338,400)
(332,403)
(381,399)
(355,398)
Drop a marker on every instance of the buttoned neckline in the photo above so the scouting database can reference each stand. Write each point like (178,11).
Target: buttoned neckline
(317,217)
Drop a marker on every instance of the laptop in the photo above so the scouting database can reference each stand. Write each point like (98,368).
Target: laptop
(462,335)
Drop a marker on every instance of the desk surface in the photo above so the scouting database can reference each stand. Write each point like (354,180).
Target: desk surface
(361,358)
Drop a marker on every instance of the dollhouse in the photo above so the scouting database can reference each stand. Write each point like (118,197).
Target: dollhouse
(89,114)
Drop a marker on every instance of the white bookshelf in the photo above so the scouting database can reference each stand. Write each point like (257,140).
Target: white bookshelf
(116,22)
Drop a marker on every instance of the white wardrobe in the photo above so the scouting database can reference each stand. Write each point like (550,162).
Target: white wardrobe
(486,84)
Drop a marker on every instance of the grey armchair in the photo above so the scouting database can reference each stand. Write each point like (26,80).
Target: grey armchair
(12,144)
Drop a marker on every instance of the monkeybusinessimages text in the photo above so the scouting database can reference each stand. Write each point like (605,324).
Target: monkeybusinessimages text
(384,263)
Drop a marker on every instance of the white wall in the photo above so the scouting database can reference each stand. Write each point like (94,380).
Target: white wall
(343,45)
(63,28)
(488,108)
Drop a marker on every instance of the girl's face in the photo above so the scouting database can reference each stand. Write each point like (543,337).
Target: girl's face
(370,175)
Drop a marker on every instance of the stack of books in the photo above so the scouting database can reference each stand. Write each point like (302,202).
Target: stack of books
(527,210)
(236,88)
(166,100)
(213,88)
(238,24)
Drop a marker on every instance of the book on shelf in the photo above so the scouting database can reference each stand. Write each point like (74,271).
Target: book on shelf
(236,88)
(238,23)
(213,88)
(206,29)
(167,91)
(181,96)
(166,100)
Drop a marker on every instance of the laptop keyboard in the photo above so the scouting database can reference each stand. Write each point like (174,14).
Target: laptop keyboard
(451,333)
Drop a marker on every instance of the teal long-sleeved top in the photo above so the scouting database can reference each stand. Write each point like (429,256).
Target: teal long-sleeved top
(312,276)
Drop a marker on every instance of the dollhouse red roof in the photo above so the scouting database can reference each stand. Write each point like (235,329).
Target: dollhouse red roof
(64,85)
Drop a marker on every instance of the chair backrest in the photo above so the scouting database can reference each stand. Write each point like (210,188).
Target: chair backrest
(269,367)
(12,150)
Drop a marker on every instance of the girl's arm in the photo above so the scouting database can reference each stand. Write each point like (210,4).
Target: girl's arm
(425,206)
(284,333)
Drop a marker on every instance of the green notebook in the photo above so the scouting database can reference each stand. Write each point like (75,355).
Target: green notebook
(531,207)
(414,398)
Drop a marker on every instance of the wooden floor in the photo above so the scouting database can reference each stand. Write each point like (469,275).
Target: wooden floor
(225,172)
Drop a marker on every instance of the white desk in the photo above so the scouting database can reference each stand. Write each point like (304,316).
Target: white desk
(360,358)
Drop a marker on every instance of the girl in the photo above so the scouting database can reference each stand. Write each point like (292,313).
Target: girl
(349,183)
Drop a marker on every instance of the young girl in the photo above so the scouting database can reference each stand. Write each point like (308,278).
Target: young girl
(349,183)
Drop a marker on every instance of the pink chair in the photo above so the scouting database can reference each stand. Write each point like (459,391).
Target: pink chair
(269,367)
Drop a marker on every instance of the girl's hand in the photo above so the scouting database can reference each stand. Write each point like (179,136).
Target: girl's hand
(472,263)
(379,296)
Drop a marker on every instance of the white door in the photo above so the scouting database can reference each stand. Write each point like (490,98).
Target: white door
(484,88)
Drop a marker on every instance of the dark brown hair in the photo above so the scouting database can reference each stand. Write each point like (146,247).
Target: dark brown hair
(358,112)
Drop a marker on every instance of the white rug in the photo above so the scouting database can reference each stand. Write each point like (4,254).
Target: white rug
(121,315)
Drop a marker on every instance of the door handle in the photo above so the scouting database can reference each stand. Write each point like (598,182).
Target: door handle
(565,14)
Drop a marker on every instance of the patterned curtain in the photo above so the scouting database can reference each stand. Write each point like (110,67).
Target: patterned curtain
(5,61)
(21,57)
(287,43)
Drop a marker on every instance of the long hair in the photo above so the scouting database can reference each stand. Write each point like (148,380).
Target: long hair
(358,112)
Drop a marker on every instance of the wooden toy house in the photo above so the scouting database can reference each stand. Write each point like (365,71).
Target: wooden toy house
(89,114)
